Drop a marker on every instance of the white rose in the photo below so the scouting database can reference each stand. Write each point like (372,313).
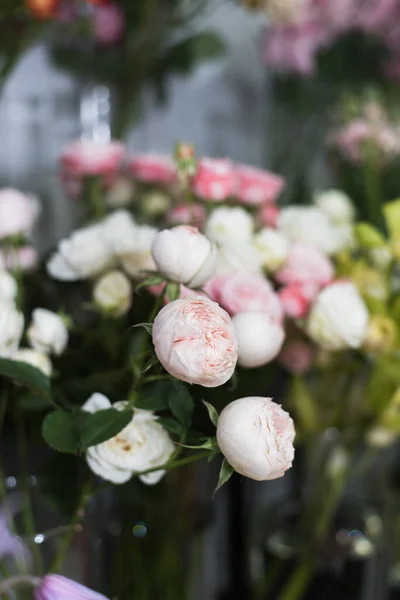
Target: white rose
(143,444)
(256,437)
(35,359)
(260,338)
(84,254)
(113,293)
(47,333)
(11,327)
(338,318)
(184,255)
(118,230)
(136,258)
(120,193)
(226,223)
(342,237)
(310,225)
(8,286)
(272,247)
(336,205)
(235,257)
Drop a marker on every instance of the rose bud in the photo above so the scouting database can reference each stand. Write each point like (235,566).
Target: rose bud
(339,318)
(47,333)
(184,255)
(113,294)
(260,338)
(18,213)
(255,186)
(11,327)
(256,437)
(214,179)
(195,341)
(153,168)
(57,587)
(8,286)
(35,359)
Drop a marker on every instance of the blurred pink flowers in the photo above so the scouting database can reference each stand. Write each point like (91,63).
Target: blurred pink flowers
(255,186)
(214,179)
(108,23)
(153,168)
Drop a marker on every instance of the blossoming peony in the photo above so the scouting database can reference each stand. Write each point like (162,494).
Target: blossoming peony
(254,186)
(226,223)
(195,341)
(260,338)
(214,179)
(143,444)
(11,327)
(256,437)
(113,294)
(18,213)
(272,246)
(47,333)
(339,318)
(184,255)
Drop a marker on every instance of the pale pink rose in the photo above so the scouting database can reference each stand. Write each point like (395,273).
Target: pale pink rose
(296,357)
(108,23)
(239,292)
(295,301)
(18,213)
(195,341)
(256,437)
(255,187)
(87,158)
(25,258)
(306,264)
(153,168)
(187,214)
(269,214)
(214,179)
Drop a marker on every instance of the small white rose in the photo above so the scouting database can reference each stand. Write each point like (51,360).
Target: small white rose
(256,436)
(35,359)
(113,294)
(143,444)
(336,205)
(11,327)
(236,257)
(310,225)
(118,229)
(272,247)
(8,286)
(226,223)
(184,255)
(338,318)
(47,333)
(260,338)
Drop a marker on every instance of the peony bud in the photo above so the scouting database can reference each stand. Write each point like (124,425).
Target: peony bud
(8,286)
(184,255)
(113,294)
(256,437)
(272,246)
(214,179)
(57,587)
(35,359)
(11,327)
(18,213)
(260,338)
(339,318)
(195,341)
(47,333)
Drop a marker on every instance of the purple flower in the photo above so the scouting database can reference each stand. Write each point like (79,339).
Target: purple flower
(56,587)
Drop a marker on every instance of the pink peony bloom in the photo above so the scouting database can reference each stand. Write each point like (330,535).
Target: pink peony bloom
(56,587)
(269,214)
(18,213)
(255,187)
(239,292)
(187,214)
(214,179)
(295,300)
(108,23)
(87,158)
(195,341)
(306,264)
(153,168)
(296,357)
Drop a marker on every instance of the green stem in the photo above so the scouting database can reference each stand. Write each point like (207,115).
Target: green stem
(299,580)
(96,198)
(176,463)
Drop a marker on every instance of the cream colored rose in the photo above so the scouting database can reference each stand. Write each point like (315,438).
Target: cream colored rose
(47,333)
(113,294)
(144,444)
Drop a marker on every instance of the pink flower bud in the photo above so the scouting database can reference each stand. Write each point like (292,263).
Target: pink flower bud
(214,179)
(255,187)
(268,215)
(195,341)
(295,301)
(56,587)
(153,168)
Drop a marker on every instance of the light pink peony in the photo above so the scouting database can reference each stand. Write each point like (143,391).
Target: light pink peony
(306,264)
(239,292)
(18,213)
(268,215)
(187,214)
(87,158)
(296,298)
(58,587)
(296,357)
(256,436)
(153,168)
(108,24)
(214,179)
(255,187)
(195,341)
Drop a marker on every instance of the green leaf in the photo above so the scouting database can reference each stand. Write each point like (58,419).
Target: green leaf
(368,236)
(96,428)
(225,474)
(26,375)
(153,280)
(213,454)
(181,404)
(147,326)
(207,444)
(33,402)
(392,215)
(172,426)
(153,396)
(173,291)
(60,431)
(304,405)
(212,412)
